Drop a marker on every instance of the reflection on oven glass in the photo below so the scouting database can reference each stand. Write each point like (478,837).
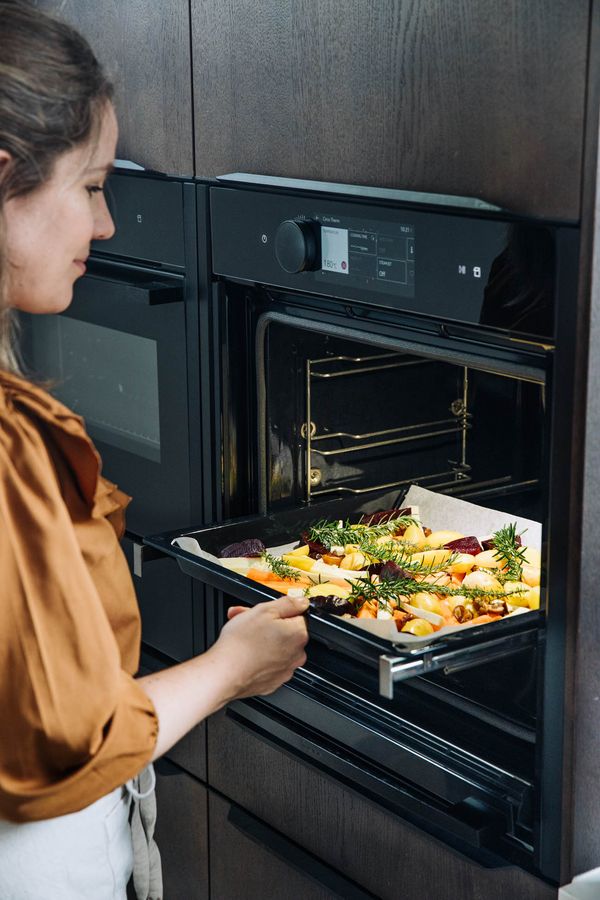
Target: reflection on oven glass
(520,289)
(119,401)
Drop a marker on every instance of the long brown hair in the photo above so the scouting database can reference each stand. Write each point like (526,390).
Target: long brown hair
(53,93)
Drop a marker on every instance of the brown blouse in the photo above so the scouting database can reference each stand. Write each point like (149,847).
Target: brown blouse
(74,724)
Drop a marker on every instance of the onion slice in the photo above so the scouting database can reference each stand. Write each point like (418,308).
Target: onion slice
(422,613)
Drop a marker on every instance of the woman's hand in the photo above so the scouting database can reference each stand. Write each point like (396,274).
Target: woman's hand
(263,647)
(256,652)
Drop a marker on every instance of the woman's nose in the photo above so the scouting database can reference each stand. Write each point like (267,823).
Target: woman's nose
(104,227)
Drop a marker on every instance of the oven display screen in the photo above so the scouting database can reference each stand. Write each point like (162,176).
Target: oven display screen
(370,254)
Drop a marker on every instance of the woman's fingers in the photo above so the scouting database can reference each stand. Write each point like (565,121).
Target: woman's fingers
(234,611)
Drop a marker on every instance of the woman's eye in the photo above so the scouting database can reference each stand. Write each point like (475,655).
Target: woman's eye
(94,189)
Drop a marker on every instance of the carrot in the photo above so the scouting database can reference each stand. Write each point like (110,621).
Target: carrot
(279,586)
(259,575)
(482,620)
(269,579)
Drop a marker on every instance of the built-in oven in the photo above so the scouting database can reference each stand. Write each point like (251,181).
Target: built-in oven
(125,356)
(365,341)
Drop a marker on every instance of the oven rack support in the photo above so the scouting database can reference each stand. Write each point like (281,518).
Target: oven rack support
(459,424)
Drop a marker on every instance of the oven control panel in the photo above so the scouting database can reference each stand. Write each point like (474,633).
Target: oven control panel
(448,264)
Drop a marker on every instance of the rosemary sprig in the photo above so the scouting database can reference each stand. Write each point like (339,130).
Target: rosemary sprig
(391,589)
(336,534)
(391,524)
(365,589)
(508,549)
(403,557)
(278,567)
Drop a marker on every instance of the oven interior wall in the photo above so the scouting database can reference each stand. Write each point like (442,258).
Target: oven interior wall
(343,418)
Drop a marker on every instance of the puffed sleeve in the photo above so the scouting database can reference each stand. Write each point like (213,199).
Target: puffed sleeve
(73,724)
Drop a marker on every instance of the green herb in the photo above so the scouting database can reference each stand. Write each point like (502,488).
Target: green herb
(507,548)
(391,524)
(279,567)
(338,534)
(392,588)
(402,556)
(382,593)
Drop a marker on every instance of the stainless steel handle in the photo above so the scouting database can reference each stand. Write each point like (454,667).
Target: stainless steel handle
(142,553)
(393,669)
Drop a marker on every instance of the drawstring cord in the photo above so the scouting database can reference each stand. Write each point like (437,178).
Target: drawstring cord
(147,870)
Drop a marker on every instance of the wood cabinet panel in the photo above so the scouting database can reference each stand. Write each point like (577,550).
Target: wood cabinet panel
(581,782)
(257,873)
(145,47)
(475,98)
(182,833)
(374,849)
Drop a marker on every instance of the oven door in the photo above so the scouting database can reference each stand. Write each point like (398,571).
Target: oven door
(446,735)
(117,357)
(327,416)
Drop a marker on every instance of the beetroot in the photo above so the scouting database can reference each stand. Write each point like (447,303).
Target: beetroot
(464,545)
(387,571)
(391,571)
(315,549)
(384,515)
(335,605)
(249,547)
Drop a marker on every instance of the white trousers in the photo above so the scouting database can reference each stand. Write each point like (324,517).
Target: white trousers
(85,855)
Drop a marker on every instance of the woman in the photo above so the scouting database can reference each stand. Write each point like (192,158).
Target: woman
(76,725)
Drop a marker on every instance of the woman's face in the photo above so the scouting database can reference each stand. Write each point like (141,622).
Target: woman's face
(49,231)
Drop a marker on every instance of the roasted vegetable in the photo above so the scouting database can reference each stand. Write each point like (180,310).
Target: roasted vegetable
(465,545)
(249,547)
(372,570)
(391,570)
(384,515)
(335,605)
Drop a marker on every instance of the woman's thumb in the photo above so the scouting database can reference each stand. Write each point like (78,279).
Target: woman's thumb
(291,606)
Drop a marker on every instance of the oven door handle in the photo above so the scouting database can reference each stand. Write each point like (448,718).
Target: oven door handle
(293,855)
(133,286)
(142,553)
(393,669)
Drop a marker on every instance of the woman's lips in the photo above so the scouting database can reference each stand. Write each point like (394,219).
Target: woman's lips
(80,263)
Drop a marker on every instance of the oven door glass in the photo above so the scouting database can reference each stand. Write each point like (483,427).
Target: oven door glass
(117,357)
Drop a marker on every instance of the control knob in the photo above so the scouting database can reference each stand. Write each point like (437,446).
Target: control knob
(296,246)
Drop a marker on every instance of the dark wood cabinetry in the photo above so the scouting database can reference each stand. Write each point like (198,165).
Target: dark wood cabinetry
(382,853)
(479,98)
(258,874)
(182,833)
(475,98)
(145,47)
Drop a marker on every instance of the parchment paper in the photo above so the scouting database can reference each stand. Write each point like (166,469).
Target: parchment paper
(436,511)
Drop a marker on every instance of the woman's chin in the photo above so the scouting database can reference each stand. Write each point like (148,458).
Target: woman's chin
(44,306)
